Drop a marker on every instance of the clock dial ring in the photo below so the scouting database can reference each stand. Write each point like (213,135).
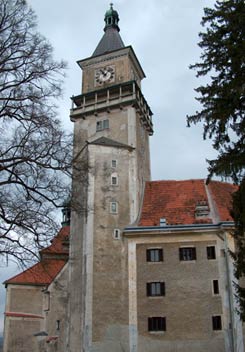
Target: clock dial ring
(104,75)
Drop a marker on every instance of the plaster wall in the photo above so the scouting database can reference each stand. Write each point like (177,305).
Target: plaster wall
(77,269)
(25,299)
(19,331)
(108,253)
(57,294)
(22,331)
(189,302)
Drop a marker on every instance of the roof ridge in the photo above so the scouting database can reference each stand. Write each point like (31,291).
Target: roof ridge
(109,142)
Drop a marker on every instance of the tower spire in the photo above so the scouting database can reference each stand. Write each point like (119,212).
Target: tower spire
(111,18)
(111,39)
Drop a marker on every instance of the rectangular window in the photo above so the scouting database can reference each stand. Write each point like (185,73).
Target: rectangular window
(215,287)
(187,253)
(211,252)
(114,180)
(113,207)
(154,255)
(57,325)
(157,324)
(102,125)
(113,163)
(155,289)
(217,323)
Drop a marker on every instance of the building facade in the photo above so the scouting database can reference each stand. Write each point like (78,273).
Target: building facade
(149,266)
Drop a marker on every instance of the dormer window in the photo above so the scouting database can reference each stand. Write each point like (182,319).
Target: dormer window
(202,209)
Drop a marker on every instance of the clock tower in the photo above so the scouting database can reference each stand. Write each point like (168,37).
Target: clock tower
(112,124)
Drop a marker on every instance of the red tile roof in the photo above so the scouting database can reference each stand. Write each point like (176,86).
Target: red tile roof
(221,193)
(53,259)
(42,273)
(176,201)
(57,246)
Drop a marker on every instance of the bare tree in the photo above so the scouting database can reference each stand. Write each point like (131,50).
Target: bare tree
(35,153)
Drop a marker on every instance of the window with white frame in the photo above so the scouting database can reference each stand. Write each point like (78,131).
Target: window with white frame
(102,125)
(114,163)
(113,207)
(114,179)
(116,234)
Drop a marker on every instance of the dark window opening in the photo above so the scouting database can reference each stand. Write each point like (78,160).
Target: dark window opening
(155,289)
(216,287)
(211,252)
(217,324)
(187,253)
(154,255)
(57,324)
(114,163)
(114,180)
(157,324)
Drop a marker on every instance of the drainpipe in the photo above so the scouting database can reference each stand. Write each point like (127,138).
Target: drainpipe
(230,295)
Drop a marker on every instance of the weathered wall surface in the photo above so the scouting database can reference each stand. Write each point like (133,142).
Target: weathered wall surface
(57,311)
(19,330)
(189,301)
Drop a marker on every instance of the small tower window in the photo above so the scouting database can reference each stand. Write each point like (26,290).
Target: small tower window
(215,287)
(116,234)
(102,125)
(113,207)
(217,322)
(57,325)
(114,179)
(114,163)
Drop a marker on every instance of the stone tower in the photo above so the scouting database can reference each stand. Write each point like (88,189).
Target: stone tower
(112,124)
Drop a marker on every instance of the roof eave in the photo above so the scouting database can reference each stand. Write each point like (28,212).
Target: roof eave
(159,230)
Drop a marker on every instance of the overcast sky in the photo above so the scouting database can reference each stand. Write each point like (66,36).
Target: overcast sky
(164,35)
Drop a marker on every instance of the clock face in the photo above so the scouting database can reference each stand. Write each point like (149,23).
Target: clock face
(104,75)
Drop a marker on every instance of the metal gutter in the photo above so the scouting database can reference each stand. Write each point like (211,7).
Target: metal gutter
(179,228)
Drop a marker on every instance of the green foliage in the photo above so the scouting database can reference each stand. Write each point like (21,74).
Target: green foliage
(223,98)
(223,104)
(238,213)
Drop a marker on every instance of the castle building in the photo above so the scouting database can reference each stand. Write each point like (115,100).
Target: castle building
(149,268)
